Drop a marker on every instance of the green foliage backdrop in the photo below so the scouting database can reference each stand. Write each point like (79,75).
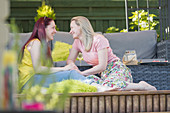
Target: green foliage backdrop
(101,13)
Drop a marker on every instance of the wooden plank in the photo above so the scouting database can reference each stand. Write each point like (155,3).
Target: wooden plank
(115,104)
(125,93)
(93,3)
(155,103)
(142,103)
(88,105)
(135,103)
(92,14)
(74,105)
(112,23)
(129,104)
(105,25)
(67,25)
(60,25)
(25,4)
(168,102)
(25,25)
(93,23)
(101,104)
(99,25)
(108,104)
(149,103)
(162,102)
(102,10)
(81,105)
(87,3)
(31,25)
(95,104)
(121,24)
(64,11)
(67,106)
(122,104)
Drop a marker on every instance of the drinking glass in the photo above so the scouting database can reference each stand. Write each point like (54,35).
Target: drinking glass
(80,57)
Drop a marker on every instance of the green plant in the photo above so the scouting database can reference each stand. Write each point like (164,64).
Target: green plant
(45,11)
(50,96)
(145,22)
(112,29)
(123,30)
(60,51)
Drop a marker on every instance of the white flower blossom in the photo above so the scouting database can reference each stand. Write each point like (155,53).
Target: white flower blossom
(167,30)
(140,15)
(142,11)
(143,24)
(134,19)
(150,19)
(124,30)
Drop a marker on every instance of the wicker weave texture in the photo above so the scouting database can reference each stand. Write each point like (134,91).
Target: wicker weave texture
(163,50)
(158,76)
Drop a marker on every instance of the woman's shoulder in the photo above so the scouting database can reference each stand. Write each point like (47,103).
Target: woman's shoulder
(33,42)
(36,40)
(98,37)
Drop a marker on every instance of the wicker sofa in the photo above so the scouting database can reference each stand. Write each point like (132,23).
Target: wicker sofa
(145,44)
(123,101)
(147,49)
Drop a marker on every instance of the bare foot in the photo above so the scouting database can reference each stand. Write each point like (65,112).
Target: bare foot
(146,86)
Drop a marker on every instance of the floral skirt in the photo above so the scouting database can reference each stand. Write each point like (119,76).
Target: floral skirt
(116,75)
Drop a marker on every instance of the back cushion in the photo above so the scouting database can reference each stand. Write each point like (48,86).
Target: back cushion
(63,37)
(144,42)
(23,37)
(59,36)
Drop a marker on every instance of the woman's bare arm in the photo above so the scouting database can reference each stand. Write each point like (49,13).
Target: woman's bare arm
(72,57)
(34,48)
(102,58)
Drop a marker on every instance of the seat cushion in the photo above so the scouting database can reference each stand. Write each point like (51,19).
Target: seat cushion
(144,42)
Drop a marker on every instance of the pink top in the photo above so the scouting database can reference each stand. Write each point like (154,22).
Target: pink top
(91,57)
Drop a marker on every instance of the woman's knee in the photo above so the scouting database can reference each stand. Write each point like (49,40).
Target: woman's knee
(76,75)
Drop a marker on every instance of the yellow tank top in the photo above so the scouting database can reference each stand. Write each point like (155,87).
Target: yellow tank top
(25,68)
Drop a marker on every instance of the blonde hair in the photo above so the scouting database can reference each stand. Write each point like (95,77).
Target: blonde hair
(86,29)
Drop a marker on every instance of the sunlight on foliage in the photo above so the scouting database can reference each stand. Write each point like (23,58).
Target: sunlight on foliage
(51,97)
(60,51)
(45,11)
(145,22)
(112,29)
(123,30)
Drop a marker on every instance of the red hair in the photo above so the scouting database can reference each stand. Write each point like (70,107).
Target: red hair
(40,34)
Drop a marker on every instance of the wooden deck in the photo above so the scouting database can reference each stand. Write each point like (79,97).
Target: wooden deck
(119,102)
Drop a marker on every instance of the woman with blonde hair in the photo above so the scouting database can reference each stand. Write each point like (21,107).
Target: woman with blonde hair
(35,66)
(96,51)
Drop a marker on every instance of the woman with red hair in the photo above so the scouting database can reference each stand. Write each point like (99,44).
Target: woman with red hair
(35,66)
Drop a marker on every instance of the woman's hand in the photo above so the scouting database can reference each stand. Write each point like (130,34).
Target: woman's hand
(71,66)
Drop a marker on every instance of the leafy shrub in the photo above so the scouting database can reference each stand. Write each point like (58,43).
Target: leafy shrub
(45,11)
(60,51)
(145,22)
(49,96)
(112,29)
